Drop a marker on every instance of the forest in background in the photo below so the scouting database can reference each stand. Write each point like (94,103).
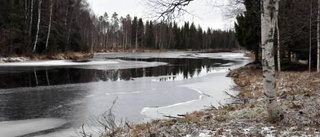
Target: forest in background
(53,26)
(295,36)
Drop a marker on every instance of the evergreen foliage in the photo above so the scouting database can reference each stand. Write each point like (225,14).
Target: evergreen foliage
(248,27)
(75,28)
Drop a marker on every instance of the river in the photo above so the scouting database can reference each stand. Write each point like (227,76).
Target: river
(55,98)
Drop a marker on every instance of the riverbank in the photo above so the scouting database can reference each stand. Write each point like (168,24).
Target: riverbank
(298,94)
(52,56)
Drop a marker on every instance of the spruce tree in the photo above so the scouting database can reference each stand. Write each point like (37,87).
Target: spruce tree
(248,27)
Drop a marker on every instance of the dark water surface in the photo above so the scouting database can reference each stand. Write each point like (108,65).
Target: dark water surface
(47,76)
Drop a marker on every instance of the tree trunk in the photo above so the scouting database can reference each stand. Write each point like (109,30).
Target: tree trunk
(310,35)
(31,18)
(38,26)
(49,27)
(92,42)
(278,46)
(68,34)
(318,38)
(106,41)
(268,20)
(26,9)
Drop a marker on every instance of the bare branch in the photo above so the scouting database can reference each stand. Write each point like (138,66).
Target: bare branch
(169,9)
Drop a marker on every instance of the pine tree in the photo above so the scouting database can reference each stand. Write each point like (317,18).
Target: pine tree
(134,32)
(140,32)
(149,36)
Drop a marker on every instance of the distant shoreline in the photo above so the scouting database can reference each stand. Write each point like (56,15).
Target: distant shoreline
(83,56)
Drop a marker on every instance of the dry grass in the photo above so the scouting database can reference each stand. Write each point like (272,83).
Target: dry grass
(291,83)
(59,56)
(297,92)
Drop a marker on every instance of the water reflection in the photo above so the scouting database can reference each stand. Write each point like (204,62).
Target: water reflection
(185,68)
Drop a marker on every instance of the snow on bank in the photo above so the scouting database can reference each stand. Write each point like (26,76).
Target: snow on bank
(24,127)
(13,59)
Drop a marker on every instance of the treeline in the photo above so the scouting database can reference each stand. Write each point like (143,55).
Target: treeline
(46,26)
(295,35)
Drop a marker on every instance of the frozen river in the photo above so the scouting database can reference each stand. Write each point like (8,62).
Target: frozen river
(58,97)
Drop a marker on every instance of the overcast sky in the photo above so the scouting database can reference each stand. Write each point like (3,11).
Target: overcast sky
(203,12)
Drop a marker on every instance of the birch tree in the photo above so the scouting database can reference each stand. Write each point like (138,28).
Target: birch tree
(269,17)
(26,9)
(38,26)
(278,45)
(49,26)
(31,18)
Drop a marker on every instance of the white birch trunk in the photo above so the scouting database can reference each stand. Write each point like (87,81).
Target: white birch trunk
(38,26)
(68,35)
(107,40)
(268,21)
(318,38)
(49,27)
(278,42)
(31,18)
(26,9)
(278,50)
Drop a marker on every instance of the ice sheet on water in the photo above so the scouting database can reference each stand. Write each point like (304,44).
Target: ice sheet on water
(225,55)
(23,127)
(141,55)
(211,93)
(124,65)
(189,55)
(53,63)
(94,64)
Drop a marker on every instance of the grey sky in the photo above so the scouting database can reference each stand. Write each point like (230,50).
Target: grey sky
(203,11)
